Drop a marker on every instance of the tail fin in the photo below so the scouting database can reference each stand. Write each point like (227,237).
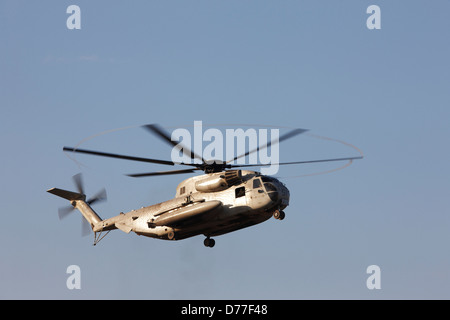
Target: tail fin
(78,200)
(69,195)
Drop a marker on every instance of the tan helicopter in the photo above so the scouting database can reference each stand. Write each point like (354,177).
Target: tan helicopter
(217,202)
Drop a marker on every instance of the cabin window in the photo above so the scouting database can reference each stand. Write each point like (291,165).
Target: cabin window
(240,192)
(256,183)
(182,190)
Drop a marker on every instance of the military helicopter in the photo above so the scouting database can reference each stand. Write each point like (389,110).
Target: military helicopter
(222,200)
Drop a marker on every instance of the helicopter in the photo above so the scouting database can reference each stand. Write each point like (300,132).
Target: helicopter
(224,199)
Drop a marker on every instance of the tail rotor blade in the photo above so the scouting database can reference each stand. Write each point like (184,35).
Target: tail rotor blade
(88,218)
(100,196)
(64,212)
(85,227)
(78,182)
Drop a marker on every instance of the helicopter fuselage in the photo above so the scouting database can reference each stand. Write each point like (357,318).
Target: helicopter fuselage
(211,204)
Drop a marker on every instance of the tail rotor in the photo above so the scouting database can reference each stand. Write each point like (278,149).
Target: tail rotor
(64,212)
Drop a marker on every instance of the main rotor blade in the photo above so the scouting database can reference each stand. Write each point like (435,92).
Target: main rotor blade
(118,156)
(286,136)
(161,173)
(295,162)
(158,131)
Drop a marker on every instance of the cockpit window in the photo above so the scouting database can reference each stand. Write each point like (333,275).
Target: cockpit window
(268,179)
(240,192)
(270,187)
(256,183)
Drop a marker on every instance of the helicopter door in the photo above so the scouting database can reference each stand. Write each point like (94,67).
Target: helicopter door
(239,196)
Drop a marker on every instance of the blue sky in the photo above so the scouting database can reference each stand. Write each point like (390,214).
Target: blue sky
(293,64)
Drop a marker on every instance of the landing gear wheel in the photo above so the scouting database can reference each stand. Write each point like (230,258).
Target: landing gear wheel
(171,235)
(208,242)
(279,214)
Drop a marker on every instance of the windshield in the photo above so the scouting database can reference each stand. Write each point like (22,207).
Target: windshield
(268,179)
(256,183)
(269,187)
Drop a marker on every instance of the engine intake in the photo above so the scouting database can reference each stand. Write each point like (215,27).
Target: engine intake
(219,182)
(233,177)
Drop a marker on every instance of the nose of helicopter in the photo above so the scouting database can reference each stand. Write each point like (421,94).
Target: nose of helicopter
(272,191)
(277,192)
(283,195)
